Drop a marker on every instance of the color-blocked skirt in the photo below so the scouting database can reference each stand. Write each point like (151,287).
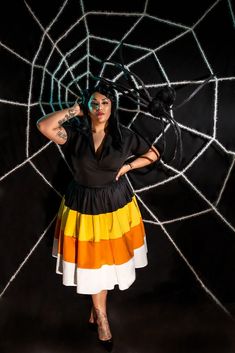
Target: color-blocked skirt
(99,237)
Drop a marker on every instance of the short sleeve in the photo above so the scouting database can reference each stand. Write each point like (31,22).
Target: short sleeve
(71,131)
(139,145)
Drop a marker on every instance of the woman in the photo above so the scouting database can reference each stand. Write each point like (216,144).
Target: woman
(99,238)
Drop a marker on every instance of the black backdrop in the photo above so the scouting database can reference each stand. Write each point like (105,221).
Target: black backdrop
(189,214)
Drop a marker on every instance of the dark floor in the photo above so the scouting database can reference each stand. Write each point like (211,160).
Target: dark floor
(40,315)
(173,322)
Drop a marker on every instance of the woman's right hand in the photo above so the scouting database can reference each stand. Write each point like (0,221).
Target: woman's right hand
(75,110)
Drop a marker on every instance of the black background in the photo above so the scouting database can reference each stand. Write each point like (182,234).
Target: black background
(170,309)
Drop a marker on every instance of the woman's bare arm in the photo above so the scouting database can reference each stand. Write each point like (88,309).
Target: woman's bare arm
(51,125)
(149,157)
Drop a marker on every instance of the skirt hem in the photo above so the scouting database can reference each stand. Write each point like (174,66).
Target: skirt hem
(92,281)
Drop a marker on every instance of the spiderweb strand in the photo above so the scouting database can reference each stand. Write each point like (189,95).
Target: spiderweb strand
(25,161)
(20,104)
(192,215)
(193,93)
(125,35)
(225,182)
(27,257)
(148,52)
(204,198)
(44,178)
(205,288)
(45,33)
(35,66)
(206,13)
(231,12)
(88,44)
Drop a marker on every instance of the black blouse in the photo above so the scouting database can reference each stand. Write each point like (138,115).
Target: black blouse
(94,170)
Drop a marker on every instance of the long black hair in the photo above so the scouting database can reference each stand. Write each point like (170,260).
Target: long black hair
(84,123)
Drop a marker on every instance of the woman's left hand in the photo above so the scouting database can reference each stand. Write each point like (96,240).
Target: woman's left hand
(124,169)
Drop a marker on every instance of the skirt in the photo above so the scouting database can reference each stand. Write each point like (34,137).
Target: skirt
(99,237)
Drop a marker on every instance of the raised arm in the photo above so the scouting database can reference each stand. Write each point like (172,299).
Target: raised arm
(51,125)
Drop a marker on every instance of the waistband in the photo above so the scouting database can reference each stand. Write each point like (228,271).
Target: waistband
(120,181)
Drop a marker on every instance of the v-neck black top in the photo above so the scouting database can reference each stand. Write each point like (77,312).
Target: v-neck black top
(93,170)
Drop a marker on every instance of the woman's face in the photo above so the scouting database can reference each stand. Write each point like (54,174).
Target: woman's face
(99,108)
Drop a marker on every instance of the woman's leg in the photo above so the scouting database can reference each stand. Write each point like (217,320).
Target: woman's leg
(99,314)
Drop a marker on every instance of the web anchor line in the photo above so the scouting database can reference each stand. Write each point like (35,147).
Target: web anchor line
(13,277)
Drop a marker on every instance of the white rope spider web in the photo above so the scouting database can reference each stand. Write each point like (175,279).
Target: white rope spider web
(64,83)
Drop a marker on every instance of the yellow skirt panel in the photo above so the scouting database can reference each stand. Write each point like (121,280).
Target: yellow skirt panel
(112,225)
